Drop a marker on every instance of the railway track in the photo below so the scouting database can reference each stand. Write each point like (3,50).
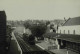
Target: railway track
(30,49)
(23,45)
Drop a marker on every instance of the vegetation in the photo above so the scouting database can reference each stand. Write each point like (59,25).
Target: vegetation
(27,24)
(37,29)
(48,22)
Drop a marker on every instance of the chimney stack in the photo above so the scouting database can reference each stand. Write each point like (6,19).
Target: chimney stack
(64,19)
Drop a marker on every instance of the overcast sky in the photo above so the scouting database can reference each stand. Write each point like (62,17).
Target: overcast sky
(40,9)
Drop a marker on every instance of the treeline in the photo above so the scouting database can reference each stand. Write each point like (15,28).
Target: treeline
(21,22)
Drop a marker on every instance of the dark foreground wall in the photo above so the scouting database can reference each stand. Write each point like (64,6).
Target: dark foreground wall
(2,32)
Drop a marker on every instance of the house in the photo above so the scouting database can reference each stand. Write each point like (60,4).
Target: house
(71,26)
(69,35)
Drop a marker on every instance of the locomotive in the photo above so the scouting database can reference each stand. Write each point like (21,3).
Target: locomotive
(30,39)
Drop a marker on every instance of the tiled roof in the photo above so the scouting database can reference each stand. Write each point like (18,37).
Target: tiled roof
(70,37)
(72,21)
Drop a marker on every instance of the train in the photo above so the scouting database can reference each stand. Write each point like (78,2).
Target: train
(30,39)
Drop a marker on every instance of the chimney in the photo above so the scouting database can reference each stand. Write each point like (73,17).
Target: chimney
(64,19)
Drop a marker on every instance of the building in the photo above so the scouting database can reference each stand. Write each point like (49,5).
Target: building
(69,35)
(2,32)
(71,26)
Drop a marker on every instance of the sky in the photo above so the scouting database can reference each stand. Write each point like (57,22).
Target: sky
(40,9)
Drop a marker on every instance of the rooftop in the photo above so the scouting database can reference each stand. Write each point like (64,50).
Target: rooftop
(72,21)
(50,35)
(67,37)
(70,37)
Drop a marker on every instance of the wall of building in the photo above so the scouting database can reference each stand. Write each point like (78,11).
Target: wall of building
(2,32)
(69,29)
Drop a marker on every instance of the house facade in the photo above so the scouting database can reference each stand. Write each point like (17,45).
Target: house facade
(75,29)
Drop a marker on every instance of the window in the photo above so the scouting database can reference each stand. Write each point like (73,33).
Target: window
(60,31)
(64,31)
(73,31)
(68,32)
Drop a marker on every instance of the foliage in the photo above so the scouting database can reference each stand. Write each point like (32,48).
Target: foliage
(38,30)
(48,22)
(26,24)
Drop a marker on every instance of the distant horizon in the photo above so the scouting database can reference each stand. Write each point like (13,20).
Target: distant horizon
(42,19)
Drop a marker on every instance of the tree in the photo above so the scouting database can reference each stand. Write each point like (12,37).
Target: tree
(26,24)
(38,30)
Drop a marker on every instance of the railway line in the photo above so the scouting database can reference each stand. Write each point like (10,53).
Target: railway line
(30,49)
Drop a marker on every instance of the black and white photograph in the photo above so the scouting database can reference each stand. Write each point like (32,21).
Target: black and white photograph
(39,26)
